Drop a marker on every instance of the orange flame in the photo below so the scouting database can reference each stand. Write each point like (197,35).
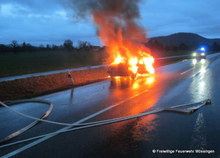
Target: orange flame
(133,61)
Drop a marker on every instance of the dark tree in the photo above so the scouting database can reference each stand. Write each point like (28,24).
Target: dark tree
(24,46)
(68,44)
(84,45)
(14,45)
(48,47)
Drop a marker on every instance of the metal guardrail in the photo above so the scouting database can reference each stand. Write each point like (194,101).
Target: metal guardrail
(171,57)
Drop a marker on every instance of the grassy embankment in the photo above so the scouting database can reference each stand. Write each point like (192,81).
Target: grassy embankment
(39,85)
(32,62)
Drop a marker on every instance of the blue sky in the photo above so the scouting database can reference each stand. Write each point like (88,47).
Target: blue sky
(52,21)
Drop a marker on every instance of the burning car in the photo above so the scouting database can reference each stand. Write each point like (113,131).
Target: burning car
(131,67)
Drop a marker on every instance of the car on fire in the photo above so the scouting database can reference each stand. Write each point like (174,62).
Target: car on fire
(126,70)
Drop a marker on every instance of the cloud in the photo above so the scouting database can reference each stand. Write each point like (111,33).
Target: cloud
(35,6)
(42,21)
(166,17)
(37,21)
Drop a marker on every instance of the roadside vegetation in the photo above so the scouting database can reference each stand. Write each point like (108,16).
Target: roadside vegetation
(23,59)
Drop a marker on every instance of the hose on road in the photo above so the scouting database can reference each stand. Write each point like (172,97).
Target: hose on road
(184,108)
(171,109)
(36,120)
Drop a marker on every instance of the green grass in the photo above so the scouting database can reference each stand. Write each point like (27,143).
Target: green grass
(32,62)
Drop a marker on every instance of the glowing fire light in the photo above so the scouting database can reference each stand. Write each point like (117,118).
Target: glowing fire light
(118,60)
(150,80)
(134,63)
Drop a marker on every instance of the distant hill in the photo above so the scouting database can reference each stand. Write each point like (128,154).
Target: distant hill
(190,39)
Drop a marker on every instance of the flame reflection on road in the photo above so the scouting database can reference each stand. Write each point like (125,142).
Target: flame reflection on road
(126,82)
(142,128)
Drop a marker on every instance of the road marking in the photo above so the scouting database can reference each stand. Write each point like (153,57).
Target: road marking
(17,151)
(186,71)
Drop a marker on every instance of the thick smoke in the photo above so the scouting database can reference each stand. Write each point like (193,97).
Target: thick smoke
(116,22)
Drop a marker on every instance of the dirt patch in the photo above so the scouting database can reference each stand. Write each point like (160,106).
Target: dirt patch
(39,85)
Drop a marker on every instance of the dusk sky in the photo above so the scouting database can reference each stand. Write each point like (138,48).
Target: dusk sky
(52,21)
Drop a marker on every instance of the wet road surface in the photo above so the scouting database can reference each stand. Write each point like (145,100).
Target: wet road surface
(184,82)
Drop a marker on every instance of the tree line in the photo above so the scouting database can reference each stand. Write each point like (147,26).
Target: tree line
(84,53)
(160,49)
(67,45)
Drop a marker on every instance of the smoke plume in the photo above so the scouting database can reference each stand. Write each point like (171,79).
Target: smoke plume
(116,22)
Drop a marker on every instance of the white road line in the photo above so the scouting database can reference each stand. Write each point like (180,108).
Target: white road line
(17,151)
(186,71)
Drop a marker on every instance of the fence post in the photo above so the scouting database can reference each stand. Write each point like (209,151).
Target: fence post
(70,77)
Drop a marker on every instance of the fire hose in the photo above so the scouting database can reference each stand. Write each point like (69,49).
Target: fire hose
(22,130)
(184,108)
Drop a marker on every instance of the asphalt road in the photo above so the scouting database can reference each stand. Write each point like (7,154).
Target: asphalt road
(164,134)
